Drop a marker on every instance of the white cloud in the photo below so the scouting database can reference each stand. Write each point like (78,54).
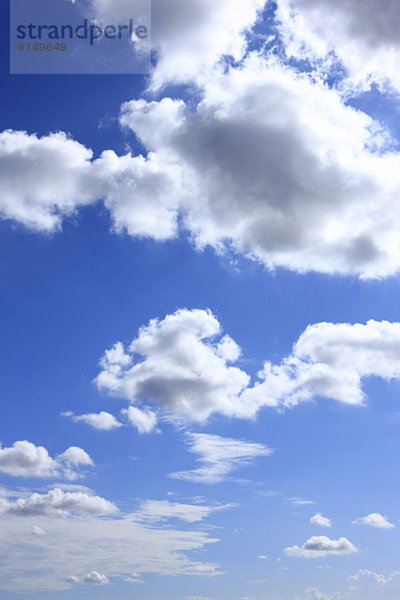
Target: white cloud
(57,503)
(375,520)
(145,421)
(330,360)
(365,575)
(219,456)
(321,521)
(315,594)
(181,364)
(363,37)
(113,546)
(44,179)
(96,578)
(190,38)
(320,546)
(24,459)
(281,171)
(162,510)
(103,421)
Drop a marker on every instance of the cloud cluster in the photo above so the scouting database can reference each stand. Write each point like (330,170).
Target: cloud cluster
(281,170)
(362,38)
(320,546)
(182,364)
(57,503)
(24,459)
(219,456)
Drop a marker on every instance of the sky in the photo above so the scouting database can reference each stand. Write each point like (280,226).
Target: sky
(199,275)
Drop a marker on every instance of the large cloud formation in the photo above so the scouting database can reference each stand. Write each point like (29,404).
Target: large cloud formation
(185,366)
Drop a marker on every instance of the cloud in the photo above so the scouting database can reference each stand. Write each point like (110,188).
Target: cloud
(219,457)
(330,360)
(362,38)
(281,171)
(320,546)
(43,180)
(190,38)
(96,578)
(57,503)
(300,501)
(162,510)
(364,575)
(315,594)
(321,521)
(180,363)
(103,421)
(24,459)
(115,546)
(375,520)
(145,421)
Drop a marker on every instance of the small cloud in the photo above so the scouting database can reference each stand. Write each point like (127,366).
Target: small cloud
(321,521)
(219,456)
(73,579)
(319,546)
(375,520)
(262,557)
(96,578)
(37,530)
(145,421)
(102,421)
(300,501)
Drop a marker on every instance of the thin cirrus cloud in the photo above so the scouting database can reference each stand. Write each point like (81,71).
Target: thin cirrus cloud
(112,545)
(162,510)
(24,459)
(219,457)
(185,366)
(375,520)
(321,546)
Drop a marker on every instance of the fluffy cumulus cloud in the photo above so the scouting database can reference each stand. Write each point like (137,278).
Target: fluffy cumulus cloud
(330,360)
(181,364)
(96,578)
(320,546)
(219,456)
(103,421)
(362,37)
(43,179)
(272,164)
(375,520)
(190,37)
(320,520)
(24,459)
(57,503)
(145,421)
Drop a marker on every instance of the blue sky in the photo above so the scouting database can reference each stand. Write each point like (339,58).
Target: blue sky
(201,338)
